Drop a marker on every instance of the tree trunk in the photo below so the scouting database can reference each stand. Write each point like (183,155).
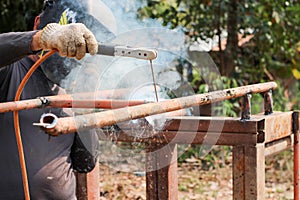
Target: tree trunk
(232,38)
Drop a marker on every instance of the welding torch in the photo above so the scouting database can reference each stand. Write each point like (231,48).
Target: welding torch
(126,51)
(133,52)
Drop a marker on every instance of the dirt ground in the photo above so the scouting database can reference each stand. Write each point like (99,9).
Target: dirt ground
(197,184)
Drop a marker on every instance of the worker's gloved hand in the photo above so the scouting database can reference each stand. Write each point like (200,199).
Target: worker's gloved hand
(71,40)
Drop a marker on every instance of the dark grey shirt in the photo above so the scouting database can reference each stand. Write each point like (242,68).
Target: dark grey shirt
(48,162)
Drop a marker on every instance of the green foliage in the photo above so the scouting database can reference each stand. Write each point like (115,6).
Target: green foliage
(18,15)
(257,104)
(295,100)
(280,101)
(228,108)
(192,15)
(275,25)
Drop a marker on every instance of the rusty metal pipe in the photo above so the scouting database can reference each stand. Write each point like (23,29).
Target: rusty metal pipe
(67,101)
(107,118)
(88,96)
(296,121)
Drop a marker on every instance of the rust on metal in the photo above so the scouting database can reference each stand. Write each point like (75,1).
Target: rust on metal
(87,184)
(238,172)
(276,126)
(296,132)
(67,101)
(211,124)
(246,107)
(107,118)
(101,104)
(268,102)
(106,99)
(161,174)
(255,171)
(152,186)
(248,172)
(277,146)
(20,105)
(195,130)
(92,181)
(81,186)
(184,137)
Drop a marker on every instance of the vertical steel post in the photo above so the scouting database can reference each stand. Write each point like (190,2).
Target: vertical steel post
(87,185)
(296,155)
(246,107)
(268,102)
(93,190)
(161,174)
(248,172)
(81,186)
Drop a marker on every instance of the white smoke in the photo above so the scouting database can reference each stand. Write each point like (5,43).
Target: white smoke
(96,73)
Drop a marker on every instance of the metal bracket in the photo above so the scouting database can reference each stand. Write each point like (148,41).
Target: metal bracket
(268,102)
(246,107)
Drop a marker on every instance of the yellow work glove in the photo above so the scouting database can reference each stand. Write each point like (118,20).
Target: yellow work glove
(71,40)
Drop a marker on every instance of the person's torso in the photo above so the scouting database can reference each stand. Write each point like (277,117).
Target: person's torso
(48,161)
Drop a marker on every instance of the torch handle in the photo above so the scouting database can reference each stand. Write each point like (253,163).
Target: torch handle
(126,51)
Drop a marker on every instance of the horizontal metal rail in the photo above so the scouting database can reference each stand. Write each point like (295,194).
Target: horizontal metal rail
(107,118)
(100,99)
(66,101)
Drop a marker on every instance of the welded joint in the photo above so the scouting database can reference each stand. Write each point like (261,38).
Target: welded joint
(44,102)
(268,102)
(246,107)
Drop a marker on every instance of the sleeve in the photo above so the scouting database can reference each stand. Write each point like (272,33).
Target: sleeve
(14,46)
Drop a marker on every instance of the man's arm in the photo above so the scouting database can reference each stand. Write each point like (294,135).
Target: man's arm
(15,45)
(72,40)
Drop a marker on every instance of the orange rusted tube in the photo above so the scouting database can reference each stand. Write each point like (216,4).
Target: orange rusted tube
(296,155)
(296,166)
(107,118)
(67,101)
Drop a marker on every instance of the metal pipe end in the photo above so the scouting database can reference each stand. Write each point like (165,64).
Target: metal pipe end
(47,121)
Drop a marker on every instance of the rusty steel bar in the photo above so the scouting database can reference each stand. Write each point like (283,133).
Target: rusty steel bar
(67,101)
(268,102)
(248,171)
(246,107)
(277,146)
(81,186)
(107,118)
(296,155)
(161,172)
(92,183)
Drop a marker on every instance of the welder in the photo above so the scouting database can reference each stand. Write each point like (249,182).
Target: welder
(49,164)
